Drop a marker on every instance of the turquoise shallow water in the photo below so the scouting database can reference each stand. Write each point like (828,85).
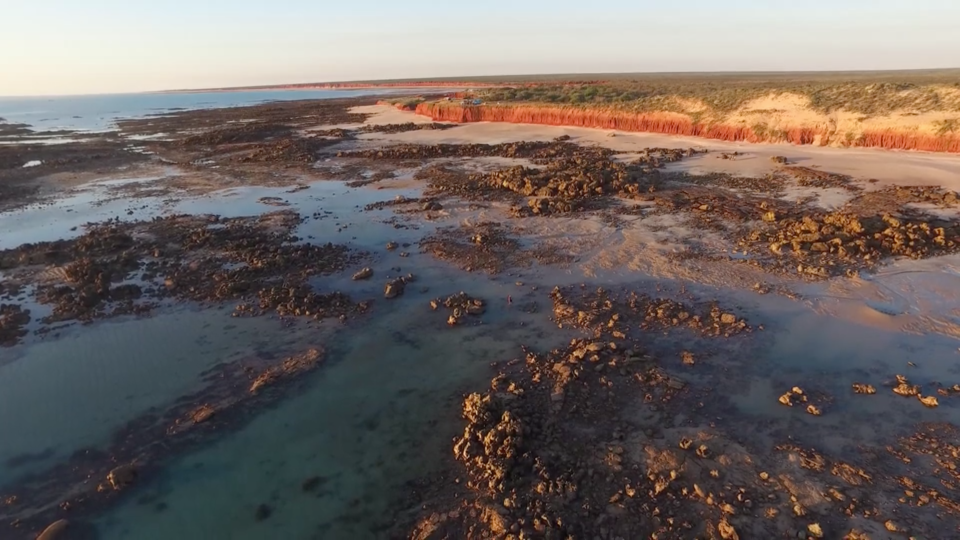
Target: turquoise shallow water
(379,414)
(382,411)
(72,392)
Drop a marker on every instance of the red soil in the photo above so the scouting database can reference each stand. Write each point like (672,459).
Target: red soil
(675,124)
(910,141)
(399,106)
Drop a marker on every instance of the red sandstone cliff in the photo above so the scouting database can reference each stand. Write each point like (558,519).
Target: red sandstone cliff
(399,106)
(679,124)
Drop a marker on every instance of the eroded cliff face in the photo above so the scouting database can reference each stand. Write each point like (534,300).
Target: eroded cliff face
(894,140)
(399,106)
(755,126)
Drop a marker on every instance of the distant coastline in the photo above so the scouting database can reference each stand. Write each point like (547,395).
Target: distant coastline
(340,86)
(493,81)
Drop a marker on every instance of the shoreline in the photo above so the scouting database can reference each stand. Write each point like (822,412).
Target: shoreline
(655,258)
(336,86)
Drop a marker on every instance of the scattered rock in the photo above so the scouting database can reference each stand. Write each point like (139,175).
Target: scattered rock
(951,391)
(486,246)
(202,414)
(608,313)
(55,531)
(797,396)
(401,128)
(461,305)
(727,532)
(795,393)
(394,288)
(929,401)
(13,322)
(122,476)
(365,273)
(273,201)
(904,388)
(893,527)
(291,366)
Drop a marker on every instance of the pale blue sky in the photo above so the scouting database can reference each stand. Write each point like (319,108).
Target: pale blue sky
(87,46)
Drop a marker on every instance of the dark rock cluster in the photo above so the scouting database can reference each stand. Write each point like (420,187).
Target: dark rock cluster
(121,268)
(13,322)
(837,243)
(461,306)
(605,312)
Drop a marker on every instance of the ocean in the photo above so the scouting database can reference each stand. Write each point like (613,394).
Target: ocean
(100,112)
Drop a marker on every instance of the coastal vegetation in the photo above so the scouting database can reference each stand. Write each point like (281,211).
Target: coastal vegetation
(893,110)
(723,94)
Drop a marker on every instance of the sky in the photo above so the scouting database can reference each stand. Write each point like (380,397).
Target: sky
(50,47)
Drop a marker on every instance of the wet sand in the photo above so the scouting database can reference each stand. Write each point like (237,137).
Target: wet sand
(710,333)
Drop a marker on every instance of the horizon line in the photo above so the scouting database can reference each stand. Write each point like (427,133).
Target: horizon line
(504,79)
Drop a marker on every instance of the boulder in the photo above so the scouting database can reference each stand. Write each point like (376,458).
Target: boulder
(122,476)
(394,288)
(365,273)
(55,530)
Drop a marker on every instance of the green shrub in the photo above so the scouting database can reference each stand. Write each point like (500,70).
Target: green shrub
(865,94)
(947,127)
